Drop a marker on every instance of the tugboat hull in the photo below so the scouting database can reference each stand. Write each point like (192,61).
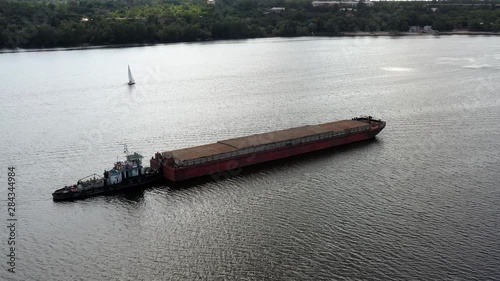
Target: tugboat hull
(142,181)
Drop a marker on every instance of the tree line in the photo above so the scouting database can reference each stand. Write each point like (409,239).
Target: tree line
(67,23)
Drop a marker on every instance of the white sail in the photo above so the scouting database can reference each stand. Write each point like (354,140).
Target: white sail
(130,78)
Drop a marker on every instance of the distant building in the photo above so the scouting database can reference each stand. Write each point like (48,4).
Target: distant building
(84,20)
(348,3)
(277,9)
(428,29)
(355,3)
(415,28)
(418,29)
(129,19)
(210,2)
(324,3)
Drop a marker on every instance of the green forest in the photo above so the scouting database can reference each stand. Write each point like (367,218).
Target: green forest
(59,23)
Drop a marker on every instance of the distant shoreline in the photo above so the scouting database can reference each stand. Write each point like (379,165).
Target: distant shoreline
(76,48)
(400,33)
(322,34)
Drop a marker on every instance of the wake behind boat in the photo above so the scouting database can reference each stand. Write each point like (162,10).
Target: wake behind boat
(124,175)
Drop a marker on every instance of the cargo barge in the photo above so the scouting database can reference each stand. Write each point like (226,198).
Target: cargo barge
(224,155)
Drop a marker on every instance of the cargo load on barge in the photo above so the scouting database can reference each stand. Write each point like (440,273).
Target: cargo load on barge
(186,163)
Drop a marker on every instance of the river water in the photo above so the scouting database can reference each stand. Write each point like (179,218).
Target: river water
(419,202)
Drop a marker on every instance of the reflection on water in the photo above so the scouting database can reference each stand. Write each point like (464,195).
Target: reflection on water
(419,202)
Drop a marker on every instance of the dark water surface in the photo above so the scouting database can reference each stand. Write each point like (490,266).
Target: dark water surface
(420,202)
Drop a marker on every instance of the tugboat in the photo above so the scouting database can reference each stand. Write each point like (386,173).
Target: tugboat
(124,175)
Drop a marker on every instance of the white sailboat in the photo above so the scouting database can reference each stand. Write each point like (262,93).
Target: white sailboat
(131,80)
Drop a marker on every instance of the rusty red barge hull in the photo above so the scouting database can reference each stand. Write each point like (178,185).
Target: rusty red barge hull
(182,164)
